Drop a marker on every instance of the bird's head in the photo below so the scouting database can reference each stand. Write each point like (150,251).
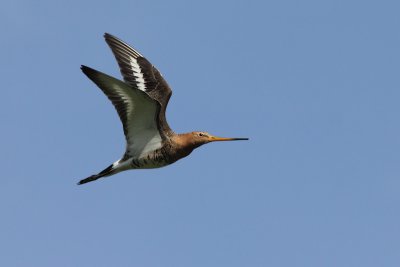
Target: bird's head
(187,142)
(201,138)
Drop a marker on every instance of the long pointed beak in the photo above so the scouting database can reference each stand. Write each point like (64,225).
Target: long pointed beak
(215,138)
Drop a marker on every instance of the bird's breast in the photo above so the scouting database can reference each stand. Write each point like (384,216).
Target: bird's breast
(166,155)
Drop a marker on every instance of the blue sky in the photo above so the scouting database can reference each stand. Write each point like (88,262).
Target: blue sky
(313,84)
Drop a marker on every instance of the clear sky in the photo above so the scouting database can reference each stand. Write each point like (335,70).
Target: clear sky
(315,85)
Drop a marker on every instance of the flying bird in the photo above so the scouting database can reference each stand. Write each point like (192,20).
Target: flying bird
(141,100)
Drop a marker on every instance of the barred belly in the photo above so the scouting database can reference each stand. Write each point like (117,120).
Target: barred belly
(148,163)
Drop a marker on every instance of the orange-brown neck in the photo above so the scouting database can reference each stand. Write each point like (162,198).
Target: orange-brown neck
(184,144)
(187,141)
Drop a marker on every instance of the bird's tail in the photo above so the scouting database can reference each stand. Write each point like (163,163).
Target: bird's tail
(106,172)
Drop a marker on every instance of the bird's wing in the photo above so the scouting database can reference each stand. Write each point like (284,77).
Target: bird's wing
(139,73)
(137,111)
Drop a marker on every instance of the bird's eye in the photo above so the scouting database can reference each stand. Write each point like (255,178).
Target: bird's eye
(201,134)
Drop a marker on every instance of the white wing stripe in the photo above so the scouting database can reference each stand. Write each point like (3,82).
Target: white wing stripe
(138,74)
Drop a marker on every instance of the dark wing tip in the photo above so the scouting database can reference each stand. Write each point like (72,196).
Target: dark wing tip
(111,39)
(109,36)
(88,71)
(85,68)
(119,47)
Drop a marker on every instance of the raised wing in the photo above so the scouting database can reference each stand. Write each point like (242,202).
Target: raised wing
(137,111)
(139,73)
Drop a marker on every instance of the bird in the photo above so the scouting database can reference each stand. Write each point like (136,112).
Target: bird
(141,100)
